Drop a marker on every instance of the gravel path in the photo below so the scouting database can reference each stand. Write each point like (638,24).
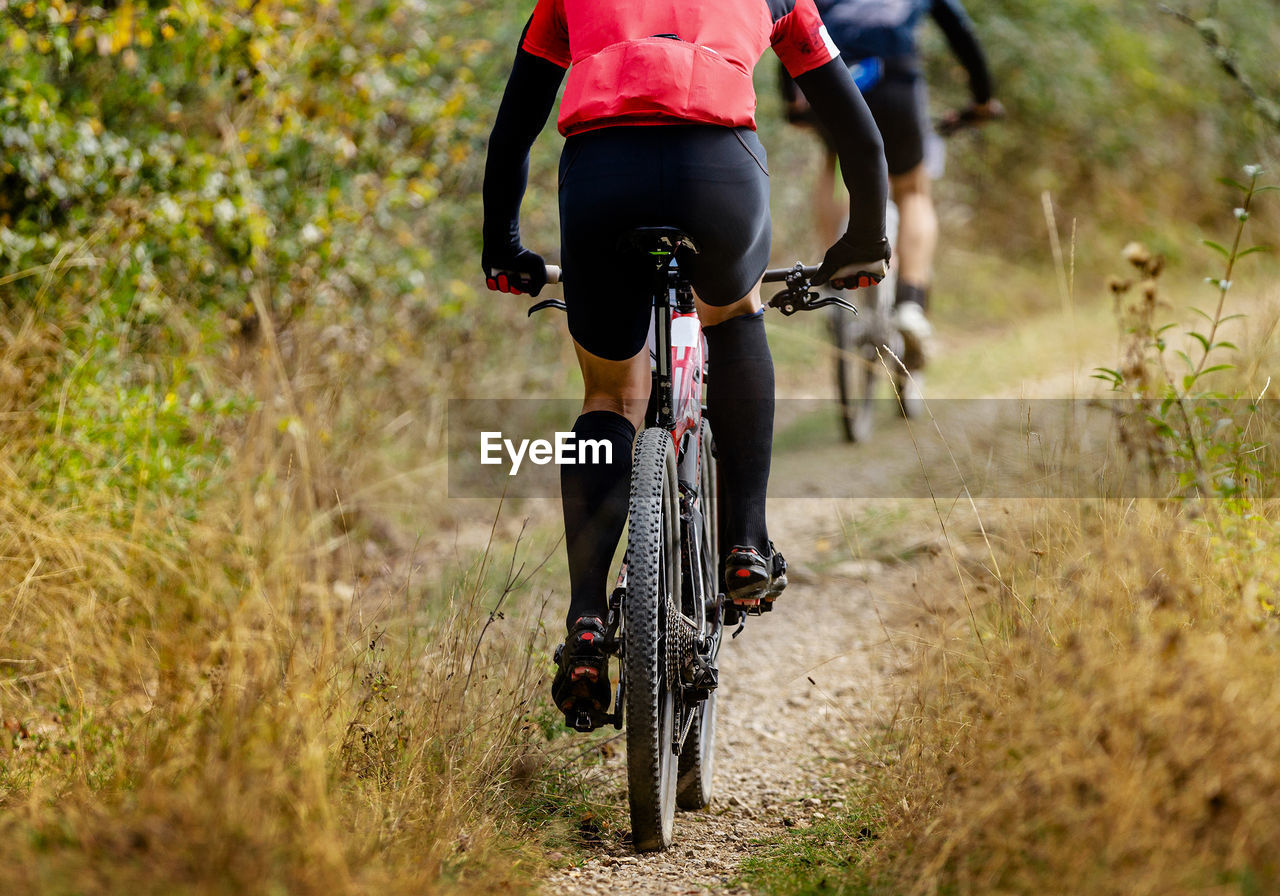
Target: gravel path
(805,688)
(801,688)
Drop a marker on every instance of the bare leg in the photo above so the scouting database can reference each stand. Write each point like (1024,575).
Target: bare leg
(917,227)
(917,240)
(710,315)
(618,386)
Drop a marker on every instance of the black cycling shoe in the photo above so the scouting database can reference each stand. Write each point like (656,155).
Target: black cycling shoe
(753,583)
(581,687)
(746,577)
(778,570)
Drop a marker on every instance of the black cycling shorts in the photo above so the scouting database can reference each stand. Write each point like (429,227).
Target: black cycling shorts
(899,102)
(900,107)
(711,182)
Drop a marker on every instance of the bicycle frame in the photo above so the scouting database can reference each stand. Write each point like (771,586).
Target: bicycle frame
(678,356)
(667,612)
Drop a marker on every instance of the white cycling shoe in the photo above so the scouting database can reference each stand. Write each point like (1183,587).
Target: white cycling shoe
(917,334)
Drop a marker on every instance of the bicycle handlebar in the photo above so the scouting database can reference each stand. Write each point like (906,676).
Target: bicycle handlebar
(774,275)
(796,297)
(780,275)
(969,117)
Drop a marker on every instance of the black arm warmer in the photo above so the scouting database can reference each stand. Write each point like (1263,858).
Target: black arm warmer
(836,101)
(955,25)
(526,105)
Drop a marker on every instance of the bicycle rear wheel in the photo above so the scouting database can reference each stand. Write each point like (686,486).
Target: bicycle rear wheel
(697,757)
(855,375)
(653,577)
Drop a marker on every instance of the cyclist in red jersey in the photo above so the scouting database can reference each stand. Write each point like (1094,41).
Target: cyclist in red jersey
(659,118)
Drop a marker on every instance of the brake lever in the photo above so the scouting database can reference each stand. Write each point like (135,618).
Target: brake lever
(793,299)
(548,303)
(824,301)
(798,297)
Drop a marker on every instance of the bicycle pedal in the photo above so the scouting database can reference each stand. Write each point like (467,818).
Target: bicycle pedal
(754,608)
(580,721)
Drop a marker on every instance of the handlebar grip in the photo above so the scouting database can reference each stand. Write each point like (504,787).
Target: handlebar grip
(554,273)
(969,117)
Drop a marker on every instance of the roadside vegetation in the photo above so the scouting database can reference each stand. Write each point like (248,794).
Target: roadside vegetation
(1093,693)
(234,654)
(245,642)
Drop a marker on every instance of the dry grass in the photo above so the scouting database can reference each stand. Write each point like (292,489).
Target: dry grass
(194,703)
(1095,704)
(1095,708)
(1112,731)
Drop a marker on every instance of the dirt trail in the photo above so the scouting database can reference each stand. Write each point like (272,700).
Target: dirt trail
(805,688)
(802,690)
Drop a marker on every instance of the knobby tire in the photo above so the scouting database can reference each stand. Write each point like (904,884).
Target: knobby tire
(653,576)
(856,362)
(697,758)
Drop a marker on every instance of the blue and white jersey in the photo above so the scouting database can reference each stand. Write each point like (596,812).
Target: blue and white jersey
(884,28)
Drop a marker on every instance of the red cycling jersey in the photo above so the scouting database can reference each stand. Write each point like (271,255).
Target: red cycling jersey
(670,61)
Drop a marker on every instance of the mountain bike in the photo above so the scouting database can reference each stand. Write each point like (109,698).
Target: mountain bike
(870,348)
(667,611)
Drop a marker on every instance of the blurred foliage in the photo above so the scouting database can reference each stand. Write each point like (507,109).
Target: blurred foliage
(1116,108)
(171,172)
(240,238)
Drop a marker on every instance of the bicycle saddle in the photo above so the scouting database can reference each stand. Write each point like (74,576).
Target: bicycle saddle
(660,241)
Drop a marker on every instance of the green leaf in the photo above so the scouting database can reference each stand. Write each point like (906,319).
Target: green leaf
(1266,189)
(1222,343)
(1231,183)
(1242,253)
(1169,326)
(1217,247)
(1203,314)
(1186,358)
(1217,367)
(1203,340)
(1166,404)
(1188,381)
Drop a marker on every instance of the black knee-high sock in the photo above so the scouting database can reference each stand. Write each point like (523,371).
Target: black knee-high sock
(595,510)
(740,407)
(908,292)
